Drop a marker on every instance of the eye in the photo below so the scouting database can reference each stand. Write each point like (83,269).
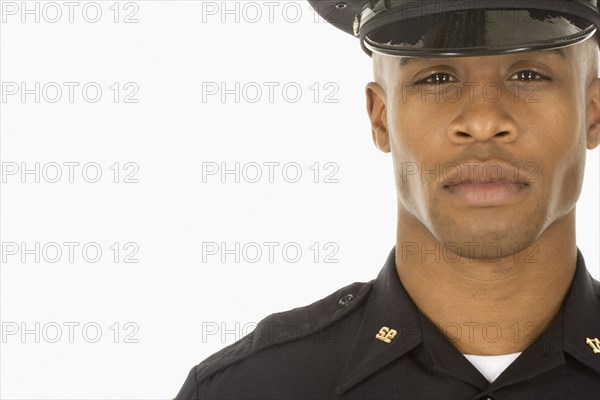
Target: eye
(437,79)
(530,76)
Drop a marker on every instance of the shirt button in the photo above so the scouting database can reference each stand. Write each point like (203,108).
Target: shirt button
(345,300)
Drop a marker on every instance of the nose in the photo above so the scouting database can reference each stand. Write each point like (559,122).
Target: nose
(482,116)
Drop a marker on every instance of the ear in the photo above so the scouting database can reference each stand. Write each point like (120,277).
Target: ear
(377,110)
(593,114)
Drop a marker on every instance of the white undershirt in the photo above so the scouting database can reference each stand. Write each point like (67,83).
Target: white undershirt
(491,366)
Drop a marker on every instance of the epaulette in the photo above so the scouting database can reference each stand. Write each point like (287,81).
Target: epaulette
(274,329)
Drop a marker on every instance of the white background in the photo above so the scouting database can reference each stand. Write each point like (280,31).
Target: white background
(171,297)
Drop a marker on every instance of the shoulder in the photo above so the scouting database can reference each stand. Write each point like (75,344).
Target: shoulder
(286,326)
(276,331)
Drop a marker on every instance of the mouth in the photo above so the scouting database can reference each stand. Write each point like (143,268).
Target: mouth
(486,194)
(486,185)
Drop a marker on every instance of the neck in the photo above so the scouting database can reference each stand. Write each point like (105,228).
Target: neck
(485,307)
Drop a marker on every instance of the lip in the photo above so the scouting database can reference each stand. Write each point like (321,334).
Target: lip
(486,194)
(485,184)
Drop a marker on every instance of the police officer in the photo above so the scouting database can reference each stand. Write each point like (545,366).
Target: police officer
(485,294)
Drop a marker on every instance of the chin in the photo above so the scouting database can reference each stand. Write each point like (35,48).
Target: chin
(488,245)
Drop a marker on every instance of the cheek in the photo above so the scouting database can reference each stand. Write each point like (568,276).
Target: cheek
(416,129)
(559,128)
(555,135)
(568,157)
(566,177)
(416,144)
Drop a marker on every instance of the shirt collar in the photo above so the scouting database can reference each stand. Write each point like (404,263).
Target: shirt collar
(390,308)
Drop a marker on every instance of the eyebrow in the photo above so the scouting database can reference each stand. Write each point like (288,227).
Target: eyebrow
(405,61)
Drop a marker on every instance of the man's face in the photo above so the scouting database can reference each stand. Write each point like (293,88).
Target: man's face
(534,112)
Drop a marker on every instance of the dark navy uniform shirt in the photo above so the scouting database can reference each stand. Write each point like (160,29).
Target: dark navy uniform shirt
(369,341)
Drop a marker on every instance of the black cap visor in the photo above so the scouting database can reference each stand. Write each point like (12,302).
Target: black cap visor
(474,32)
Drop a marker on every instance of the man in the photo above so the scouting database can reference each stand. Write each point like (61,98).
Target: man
(488,110)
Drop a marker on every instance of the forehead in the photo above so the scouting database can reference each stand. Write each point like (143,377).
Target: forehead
(561,54)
